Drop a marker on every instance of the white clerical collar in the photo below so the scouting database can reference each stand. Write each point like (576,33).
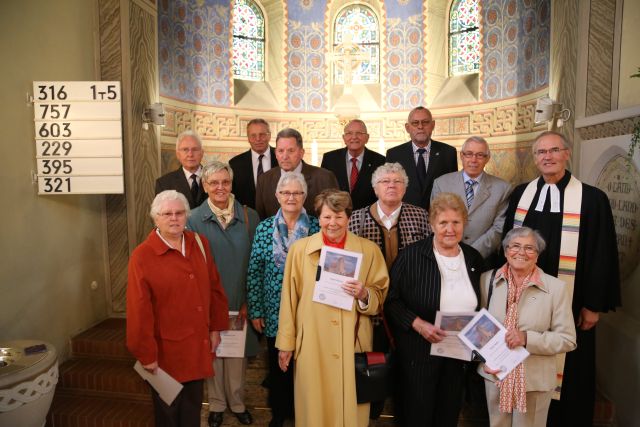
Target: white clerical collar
(555,197)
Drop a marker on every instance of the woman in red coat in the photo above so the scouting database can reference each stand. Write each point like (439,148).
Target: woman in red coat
(175,308)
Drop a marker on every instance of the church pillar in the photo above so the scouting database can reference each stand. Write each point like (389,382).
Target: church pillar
(564,58)
(128,53)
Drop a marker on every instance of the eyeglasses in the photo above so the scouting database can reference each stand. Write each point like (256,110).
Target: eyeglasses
(357,134)
(470,154)
(387,181)
(190,150)
(555,150)
(417,123)
(223,183)
(294,194)
(177,214)
(528,249)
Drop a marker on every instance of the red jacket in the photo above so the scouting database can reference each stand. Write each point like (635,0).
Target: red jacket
(173,302)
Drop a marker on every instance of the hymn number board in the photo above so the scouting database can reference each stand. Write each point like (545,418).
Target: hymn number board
(78,128)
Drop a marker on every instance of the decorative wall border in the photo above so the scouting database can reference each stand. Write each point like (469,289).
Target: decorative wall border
(608,129)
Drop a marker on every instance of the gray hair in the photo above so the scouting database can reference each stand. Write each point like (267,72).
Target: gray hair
(389,168)
(259,121)
(565,141)
(419,108)
(524,232)
(215,166)
(167,196)
(188,134)
(479,140)
(290,133)
(356,121)
(288,177)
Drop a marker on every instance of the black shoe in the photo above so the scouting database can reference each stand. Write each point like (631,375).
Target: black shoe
(215,419)
(244,417)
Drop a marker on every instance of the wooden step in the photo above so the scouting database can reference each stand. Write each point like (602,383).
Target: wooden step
(91,411)
(106,340)
(109,376)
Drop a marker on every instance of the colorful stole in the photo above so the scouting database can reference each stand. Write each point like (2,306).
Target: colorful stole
(568,243)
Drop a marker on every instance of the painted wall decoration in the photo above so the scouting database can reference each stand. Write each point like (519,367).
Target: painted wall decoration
(516,39)
(193,51)
(405,57)
(306,49)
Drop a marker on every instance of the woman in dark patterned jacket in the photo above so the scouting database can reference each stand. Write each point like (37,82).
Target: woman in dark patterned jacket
(273,238)
(392,225)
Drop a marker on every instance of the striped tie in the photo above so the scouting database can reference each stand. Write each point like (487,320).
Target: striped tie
(468,191)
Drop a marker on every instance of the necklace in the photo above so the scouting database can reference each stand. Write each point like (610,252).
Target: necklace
(449,262)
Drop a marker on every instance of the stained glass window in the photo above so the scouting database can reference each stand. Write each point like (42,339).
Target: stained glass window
(464,37)
(356,46)
(248,41)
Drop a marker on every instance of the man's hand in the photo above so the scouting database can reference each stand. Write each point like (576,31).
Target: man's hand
(258,324)
(587,319)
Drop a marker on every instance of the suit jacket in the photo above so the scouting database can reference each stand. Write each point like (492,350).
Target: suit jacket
(442,159)
(177,181)
(544,313)
(318,179)
(415,291)
(363,194)
(244,187)
(483,231)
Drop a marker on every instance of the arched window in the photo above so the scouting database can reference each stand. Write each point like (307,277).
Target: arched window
(356,45)
(464,37)
(248,41)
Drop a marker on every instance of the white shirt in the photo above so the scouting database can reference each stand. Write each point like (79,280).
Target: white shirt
(477,179)
(184,253)
(425,155)
(359,161)
(188,174)
(266,163)
(456,291)
(390,220)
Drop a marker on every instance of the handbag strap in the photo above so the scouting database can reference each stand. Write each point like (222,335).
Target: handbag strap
(493,276)
(199,242)
(387,330)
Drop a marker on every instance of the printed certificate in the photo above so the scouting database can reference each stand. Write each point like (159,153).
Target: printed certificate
(233,339)
(334,268)
(485,335)
(451,346)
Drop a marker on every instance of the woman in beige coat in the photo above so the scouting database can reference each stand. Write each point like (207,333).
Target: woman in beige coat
(536,310)
(320,338)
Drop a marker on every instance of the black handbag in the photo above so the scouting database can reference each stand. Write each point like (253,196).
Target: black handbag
(373,372)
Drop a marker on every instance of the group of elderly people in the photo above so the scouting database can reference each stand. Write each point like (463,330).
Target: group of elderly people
(414,263)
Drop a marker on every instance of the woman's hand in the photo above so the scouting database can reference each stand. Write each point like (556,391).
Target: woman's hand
(515,338)
(428,331)
(151,367)
(214,336)
(356,289)
(284,357)
(488,370)
(258,324)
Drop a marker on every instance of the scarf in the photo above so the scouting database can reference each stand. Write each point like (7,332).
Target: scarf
(282,239)
(513,391)
(224,215)
(568,240)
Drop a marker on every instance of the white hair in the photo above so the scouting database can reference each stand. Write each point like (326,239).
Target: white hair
(167,196)
(292,177)
(389,168)
(215,166)
(188,134)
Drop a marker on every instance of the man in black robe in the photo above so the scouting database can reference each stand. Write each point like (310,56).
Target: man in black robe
(597,279)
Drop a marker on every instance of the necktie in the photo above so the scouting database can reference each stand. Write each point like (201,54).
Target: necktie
(468,191)
(260,168)
(421,168)
(354,174)
(194,188)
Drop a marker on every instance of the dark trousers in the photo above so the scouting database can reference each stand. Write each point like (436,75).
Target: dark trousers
(432,392)
(577,398)
(280,384)
(185,409)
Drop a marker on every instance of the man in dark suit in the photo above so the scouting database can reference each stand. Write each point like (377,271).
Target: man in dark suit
(188,178)
(422,158)
(354,164)
(289,153)
(252,163)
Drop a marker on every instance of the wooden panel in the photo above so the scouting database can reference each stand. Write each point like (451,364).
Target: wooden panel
(600,66)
